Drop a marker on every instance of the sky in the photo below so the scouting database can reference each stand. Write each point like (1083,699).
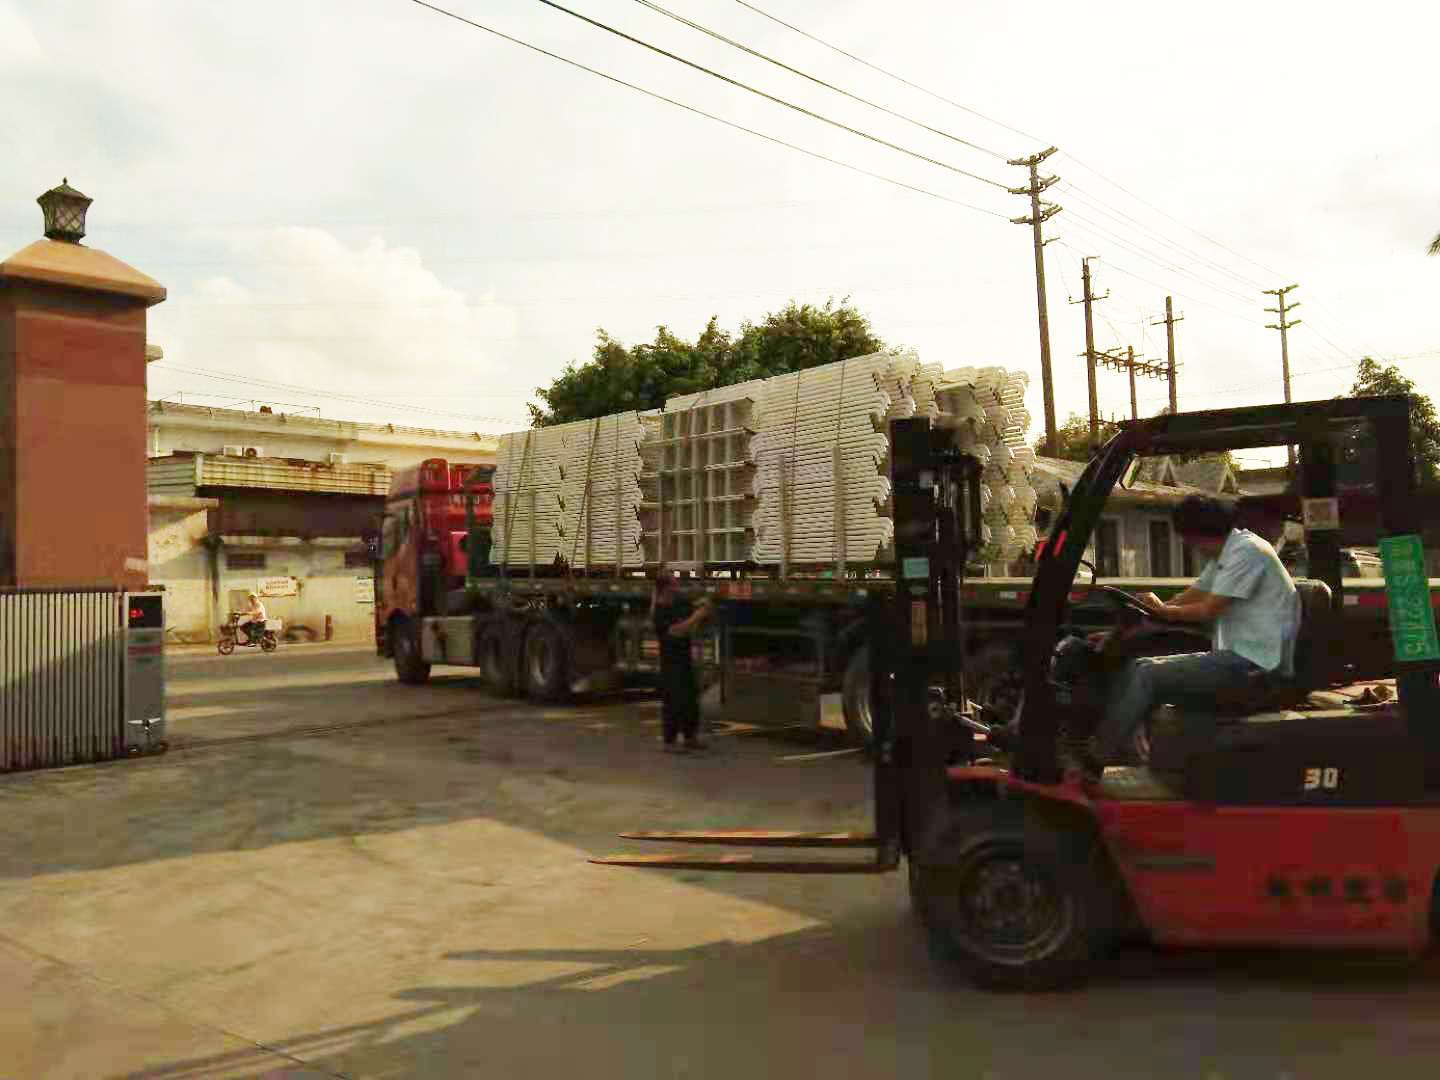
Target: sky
(372,210)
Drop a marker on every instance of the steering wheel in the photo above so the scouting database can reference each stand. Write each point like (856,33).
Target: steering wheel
(1122,601)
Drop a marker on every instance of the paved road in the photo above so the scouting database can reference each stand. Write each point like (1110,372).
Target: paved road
(336,876)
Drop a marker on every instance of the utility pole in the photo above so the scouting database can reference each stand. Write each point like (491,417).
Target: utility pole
(1037,218)
(1282,326)
(1170,320)
(1130,366)
(1088,299)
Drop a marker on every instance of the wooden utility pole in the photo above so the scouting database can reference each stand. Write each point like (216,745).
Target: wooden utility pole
(1038,217)
(1088,299)
(1282,326)
(1170,320)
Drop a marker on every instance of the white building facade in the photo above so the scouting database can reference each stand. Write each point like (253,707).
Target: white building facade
(278,504)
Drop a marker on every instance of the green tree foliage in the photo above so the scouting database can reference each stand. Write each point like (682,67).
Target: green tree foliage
(618,378)
(1072,439)
(1371,380)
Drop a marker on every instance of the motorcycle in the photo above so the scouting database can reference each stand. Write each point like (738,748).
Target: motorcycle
(231,635)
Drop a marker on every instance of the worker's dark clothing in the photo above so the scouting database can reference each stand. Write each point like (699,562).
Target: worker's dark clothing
(679,698)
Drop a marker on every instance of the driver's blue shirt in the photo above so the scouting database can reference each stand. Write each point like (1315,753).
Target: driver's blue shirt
(1263,618)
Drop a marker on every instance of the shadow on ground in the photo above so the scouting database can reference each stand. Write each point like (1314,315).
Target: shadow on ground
(775,1008)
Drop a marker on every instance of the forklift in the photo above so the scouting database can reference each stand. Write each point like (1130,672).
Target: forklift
(1278,813)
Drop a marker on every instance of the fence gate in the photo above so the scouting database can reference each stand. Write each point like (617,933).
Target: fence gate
(64,685)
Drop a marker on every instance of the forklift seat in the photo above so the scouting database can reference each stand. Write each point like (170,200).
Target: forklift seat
(1267,690)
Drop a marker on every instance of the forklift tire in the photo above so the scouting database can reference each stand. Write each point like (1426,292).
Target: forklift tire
(495,663)
(545,662)
(405,646)
(1019,910)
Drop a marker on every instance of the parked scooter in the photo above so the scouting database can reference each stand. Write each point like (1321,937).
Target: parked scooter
(231,635)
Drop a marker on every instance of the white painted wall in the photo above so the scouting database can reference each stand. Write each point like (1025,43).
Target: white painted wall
(325,587)
(180,562)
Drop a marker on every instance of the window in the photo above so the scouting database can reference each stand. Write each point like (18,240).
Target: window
(1107,549)
(1160,549)
(244,560)
(1187,562)
(357,560)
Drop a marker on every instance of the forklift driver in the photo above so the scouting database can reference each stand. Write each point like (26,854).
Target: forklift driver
(1249,599)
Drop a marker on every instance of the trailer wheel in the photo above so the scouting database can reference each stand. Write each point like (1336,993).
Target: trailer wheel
(855,695)
(1019,910)
(405,646)
(494,658)
(545,662)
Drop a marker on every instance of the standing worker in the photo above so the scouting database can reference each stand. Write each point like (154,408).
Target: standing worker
(676,619)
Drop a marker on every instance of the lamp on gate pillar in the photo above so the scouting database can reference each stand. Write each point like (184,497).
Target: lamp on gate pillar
(64,209)
(72,408)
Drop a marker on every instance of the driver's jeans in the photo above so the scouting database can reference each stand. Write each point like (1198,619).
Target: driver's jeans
(1153,680)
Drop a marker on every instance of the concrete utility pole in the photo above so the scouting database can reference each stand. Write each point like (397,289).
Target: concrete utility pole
(1037,218)
(1282,326)
(1170,320)
(1088,299)
(1130,366)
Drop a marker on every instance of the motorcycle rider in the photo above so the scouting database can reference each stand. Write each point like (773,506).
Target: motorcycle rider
(252,620)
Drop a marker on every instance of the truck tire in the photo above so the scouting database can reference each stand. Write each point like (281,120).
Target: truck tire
(405,647)
(545,662)
(1018,910)
(855,695)
(495,660)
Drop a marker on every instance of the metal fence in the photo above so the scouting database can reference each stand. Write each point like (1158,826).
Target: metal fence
(62,672)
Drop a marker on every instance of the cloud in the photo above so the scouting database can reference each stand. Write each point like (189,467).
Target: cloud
(368,322)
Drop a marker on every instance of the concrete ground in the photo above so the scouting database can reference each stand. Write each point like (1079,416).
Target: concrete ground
(333,875)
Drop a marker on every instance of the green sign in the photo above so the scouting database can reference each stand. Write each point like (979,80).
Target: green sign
(1412,622)
(915,567)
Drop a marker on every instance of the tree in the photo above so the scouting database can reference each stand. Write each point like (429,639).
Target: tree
(1371,380)
(618,379)
(1072,439)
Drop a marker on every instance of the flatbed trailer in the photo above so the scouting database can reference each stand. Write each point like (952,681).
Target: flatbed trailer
(783,650)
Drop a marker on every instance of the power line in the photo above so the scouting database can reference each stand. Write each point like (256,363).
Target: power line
(1177,221)
(888,74)
(1100,207)
(1137,277)
(761,93)
(250,380)
(1070,186)
(1161,261)
(819,82)
(1147,281)
(700,112)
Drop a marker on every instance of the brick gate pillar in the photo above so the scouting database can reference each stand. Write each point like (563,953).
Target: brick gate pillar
(72,409)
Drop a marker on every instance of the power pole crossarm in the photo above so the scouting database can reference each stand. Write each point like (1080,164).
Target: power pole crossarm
(1038,216)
